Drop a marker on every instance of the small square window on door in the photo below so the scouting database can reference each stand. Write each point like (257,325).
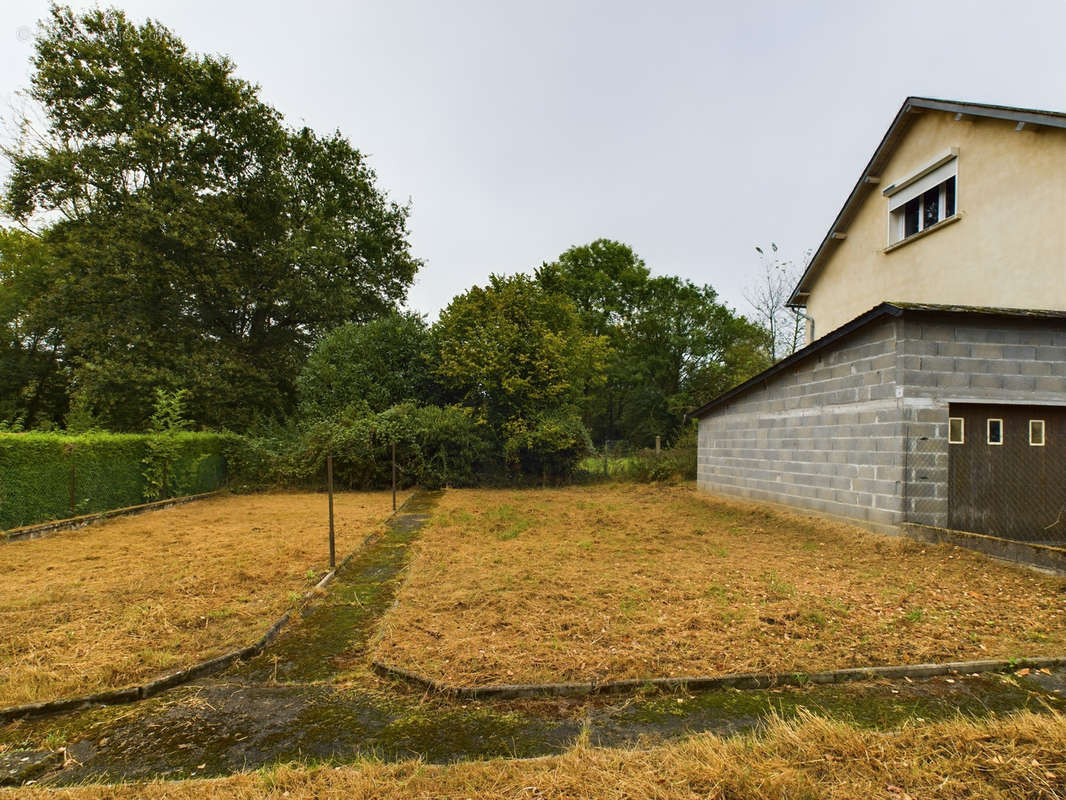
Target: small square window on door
(995,431)
(956,430)
(1036,432)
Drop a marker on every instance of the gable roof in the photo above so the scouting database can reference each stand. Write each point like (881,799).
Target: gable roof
(895,133)
(884,310)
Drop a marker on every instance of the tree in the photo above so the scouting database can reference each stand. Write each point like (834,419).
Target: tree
(604,279)
(198,241)
(519,356)
(511,350)
(687,348)
(378,364)
(673,344)
(33,379)
(768,295)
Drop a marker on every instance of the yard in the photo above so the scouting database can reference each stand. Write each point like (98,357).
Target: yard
(628,581)
(134,597)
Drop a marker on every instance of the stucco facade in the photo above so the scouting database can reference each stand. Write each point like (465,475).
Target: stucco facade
(1006,249)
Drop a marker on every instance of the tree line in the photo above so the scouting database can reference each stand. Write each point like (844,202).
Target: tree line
(170,233)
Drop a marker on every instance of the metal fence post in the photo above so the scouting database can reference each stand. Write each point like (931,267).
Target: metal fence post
(72,492)
(329,488)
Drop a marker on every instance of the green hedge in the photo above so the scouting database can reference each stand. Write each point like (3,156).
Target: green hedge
(108,471)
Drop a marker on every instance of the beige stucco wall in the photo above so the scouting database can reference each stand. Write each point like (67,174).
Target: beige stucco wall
(1007,250)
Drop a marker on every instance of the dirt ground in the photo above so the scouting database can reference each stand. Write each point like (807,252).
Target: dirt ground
(131,598)
(1019,757)
(630,581)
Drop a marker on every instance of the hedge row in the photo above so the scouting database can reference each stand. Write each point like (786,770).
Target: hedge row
(46,476)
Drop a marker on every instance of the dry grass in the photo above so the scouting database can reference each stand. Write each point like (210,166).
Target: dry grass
(130,598)
(635,582)
(1019,757)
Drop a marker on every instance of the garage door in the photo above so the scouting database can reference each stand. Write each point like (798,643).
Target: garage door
(1007,471)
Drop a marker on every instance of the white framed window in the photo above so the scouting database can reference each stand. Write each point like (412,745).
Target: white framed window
(956,430)
(995,431)
(923,199)
(1036,432)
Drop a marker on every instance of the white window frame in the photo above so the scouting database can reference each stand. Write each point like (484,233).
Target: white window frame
(934,174)
(988,431)
(962,430)
(1043,433)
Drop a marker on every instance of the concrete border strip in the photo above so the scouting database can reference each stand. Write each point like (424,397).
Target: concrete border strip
(748,680)
(37,530)
(1044,557)
(201,669)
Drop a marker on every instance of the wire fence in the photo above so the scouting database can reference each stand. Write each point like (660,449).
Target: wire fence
(1009,488)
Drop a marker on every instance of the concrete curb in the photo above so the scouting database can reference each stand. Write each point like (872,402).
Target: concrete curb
(1043,557)
(749,680)
(44,528)
(202,669)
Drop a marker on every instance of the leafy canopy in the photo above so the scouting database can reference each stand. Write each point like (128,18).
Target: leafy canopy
(513,350)
(197,241)
(378,364)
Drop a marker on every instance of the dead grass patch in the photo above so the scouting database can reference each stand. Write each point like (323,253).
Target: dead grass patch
(130,598)
(633,581)
(1017,757)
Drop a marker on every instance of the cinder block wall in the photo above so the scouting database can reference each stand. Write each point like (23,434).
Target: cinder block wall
(826,435)
(859,430)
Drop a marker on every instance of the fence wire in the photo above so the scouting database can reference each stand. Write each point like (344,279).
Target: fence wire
(1011,490)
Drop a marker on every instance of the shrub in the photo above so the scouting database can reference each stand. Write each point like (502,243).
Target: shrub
(434,447)
(46,476)
(550,447)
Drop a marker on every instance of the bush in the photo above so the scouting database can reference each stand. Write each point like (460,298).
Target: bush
(550,447)
(45,476)
(434,447)
(674,463)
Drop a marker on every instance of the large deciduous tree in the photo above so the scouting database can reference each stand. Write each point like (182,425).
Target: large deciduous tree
(371,365)
(519,356)
(673,345)
(199,242)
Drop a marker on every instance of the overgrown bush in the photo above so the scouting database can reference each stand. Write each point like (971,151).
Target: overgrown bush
(674,463)
(435,447)
(549,448)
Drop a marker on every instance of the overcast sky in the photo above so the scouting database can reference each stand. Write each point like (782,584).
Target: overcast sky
(691,131)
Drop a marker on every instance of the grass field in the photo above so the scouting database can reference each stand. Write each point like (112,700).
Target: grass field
(1018,757)
(629,581)
(131,598)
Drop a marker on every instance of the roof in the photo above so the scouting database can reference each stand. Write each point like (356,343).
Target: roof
(867,181)
(882,311)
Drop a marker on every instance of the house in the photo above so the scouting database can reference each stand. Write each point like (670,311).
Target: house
(933,390)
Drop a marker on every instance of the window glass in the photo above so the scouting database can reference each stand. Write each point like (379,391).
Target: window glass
(949,197)
(995,431)
(956,428)
(1036,432)
(911,212)
(931,207)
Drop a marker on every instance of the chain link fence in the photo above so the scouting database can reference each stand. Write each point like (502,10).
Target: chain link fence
(1010,488)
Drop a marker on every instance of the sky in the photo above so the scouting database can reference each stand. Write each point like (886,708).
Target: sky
(692,131)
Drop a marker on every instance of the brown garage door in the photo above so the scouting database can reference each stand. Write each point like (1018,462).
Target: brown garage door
(1007,475)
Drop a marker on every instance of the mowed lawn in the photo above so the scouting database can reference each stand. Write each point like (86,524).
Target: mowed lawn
(633,581)
(135,597)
